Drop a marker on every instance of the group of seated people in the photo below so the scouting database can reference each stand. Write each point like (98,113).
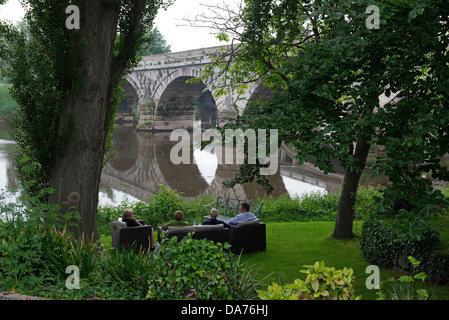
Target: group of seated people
(245,215)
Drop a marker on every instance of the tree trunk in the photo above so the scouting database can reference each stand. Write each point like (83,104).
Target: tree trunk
(345,214)
(85,115)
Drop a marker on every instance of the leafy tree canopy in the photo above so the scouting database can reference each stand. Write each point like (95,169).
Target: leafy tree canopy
(67,85)
(330,71)
(154,43)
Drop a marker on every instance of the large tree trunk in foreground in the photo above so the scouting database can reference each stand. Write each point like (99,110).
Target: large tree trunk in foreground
(85,115)
(345,215)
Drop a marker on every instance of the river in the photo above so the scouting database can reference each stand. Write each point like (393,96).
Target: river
(142,163)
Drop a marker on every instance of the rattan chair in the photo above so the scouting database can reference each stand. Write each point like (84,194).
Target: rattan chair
(216,233)
(248,237)
(123,237)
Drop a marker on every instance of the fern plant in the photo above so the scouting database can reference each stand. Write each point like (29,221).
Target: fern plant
(406,288)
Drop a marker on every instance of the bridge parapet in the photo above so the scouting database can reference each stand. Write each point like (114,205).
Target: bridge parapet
(178,59)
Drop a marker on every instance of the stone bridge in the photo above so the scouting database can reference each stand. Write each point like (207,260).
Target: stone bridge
(143,164)
(146,164)
(157,92)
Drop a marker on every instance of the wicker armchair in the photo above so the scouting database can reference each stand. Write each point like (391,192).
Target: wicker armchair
(124,237)
(216,233)
(248,237)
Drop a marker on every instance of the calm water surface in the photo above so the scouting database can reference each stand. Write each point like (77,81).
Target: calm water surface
(142,163)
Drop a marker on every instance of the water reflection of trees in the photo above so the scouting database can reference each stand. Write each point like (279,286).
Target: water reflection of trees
(145,158)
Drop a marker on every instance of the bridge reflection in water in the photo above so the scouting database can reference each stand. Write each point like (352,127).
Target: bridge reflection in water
(142,163)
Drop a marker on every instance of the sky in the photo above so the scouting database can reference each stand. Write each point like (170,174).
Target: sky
(169,22)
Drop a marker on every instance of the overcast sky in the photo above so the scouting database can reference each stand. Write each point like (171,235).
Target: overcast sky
(180,38)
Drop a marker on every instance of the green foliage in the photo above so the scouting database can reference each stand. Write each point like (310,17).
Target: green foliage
(308,207)
(7,104)
(129,269)
(21,234)
(436,265)
(194,269)
(406,287)
(164,204)
(383,240)
(158,210)
(316,206)
(321,283)
(60,250)
(40,76)
(329,79)
(154,43)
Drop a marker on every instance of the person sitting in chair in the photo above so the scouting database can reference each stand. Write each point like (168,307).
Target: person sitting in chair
(178,222)
(213,219)
(131,221)
(245,215)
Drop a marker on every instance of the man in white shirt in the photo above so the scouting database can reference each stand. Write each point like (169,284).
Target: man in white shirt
(245,215)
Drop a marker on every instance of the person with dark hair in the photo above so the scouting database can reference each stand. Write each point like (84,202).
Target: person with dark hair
(245,214)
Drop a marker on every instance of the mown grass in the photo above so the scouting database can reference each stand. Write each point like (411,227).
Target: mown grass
(292,245)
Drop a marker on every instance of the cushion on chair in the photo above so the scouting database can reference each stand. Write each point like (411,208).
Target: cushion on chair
(246,223)
(117,224)
(207,227)
(181,229)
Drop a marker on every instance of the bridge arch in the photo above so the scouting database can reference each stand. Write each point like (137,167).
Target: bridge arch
(258,93)
(131,99)
(156,75)
(178,103)
(135,79)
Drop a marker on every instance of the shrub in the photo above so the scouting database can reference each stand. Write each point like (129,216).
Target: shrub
(309,207)
(21,233)
(384,240)
(406,288)
(60,250)
(321,283)
(194,269)
(436,265)
(129,270)
(316,206)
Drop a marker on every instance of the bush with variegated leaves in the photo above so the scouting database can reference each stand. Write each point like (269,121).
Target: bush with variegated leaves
(321,283)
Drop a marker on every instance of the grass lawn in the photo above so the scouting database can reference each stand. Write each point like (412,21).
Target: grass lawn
(294,244)
(290,245)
